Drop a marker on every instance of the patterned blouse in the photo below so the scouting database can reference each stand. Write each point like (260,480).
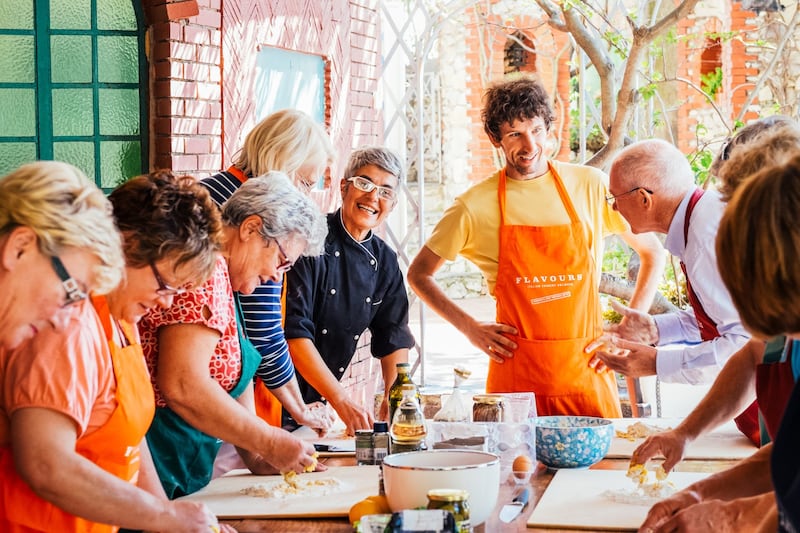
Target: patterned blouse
(211,305)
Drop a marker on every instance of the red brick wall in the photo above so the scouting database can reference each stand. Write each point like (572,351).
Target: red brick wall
(741,76)
(551,66)
(202,70)
(734,59)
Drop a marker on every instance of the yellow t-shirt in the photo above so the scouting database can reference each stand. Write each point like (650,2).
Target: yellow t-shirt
(471,226)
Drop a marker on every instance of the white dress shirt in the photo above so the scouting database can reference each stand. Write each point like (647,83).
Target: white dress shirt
(699,362)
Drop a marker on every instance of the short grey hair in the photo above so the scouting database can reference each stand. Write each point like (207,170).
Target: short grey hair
(379,156)
(654,164)
(285,212)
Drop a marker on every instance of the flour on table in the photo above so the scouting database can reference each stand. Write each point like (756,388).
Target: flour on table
(293,486)
(639,430)
(645,493)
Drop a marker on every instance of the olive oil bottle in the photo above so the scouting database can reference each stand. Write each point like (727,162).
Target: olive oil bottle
(408,429)
(396,390)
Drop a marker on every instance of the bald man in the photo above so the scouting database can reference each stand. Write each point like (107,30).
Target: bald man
(652,186)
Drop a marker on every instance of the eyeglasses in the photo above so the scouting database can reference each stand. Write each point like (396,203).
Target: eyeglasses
(286,264)
(613,198)
(163,288)
(74,292)
(725,150)
(307,182)
(365,185)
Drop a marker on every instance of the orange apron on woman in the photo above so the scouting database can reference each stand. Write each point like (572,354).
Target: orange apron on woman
(114,447)
(547,287)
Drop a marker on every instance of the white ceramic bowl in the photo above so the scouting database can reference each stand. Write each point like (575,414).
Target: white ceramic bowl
(408,477)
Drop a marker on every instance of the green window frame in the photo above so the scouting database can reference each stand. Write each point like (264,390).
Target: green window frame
(73,86)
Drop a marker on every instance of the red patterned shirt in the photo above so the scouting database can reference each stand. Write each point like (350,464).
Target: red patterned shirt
(211,305)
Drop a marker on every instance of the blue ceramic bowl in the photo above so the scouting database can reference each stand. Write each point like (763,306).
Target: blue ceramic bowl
(572,441)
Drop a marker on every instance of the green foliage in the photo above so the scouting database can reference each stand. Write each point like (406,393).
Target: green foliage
(618,43)
(700,161)
(615,258)
(648,91)
(711,82)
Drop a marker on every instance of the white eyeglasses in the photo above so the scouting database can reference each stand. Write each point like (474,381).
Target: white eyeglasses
(365,185)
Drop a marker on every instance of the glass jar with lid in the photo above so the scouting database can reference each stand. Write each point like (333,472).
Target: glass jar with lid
(488,408)
(455,501)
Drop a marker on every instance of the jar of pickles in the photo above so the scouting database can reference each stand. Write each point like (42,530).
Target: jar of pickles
(488,408)
(454,501)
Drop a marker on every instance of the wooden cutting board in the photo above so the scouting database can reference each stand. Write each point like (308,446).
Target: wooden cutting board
(726,442)
(224,498)
(574,500)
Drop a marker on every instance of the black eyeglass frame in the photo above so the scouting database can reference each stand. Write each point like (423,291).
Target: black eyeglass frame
(287,264)
(611,199)
(163,288)
(74,292)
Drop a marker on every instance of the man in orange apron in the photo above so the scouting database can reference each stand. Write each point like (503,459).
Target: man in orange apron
(535,230)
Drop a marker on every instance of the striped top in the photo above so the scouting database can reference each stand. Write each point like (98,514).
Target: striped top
(262,309)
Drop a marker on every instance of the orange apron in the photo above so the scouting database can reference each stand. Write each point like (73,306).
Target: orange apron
(547,287)
(114,447)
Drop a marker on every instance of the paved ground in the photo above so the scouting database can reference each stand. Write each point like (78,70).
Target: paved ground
(446,347)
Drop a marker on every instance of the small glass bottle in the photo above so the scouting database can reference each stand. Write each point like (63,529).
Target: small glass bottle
(380,441)
(396,391)
(364,450)
(454,501)
(408,425)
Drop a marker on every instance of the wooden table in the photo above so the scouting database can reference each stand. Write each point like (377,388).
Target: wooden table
(539,482)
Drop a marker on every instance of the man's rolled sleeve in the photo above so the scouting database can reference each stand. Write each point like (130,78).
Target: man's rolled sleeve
(680,326)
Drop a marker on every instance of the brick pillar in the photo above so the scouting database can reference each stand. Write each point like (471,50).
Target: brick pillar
(186,85)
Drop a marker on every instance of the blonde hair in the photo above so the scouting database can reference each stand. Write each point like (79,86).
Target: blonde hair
(772,146)
(285,141)
(65,210)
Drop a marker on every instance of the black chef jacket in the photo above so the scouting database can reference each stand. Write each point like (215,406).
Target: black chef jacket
(334,298)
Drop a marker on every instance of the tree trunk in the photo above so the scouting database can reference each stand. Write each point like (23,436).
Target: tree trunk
(623,289)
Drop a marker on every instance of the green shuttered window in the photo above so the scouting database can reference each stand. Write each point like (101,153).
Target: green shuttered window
(73,86)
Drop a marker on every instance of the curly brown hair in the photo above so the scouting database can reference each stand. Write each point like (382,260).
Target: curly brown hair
(165,216)
(520,98)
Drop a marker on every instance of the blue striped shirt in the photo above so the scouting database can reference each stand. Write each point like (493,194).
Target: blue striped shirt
(262,309)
